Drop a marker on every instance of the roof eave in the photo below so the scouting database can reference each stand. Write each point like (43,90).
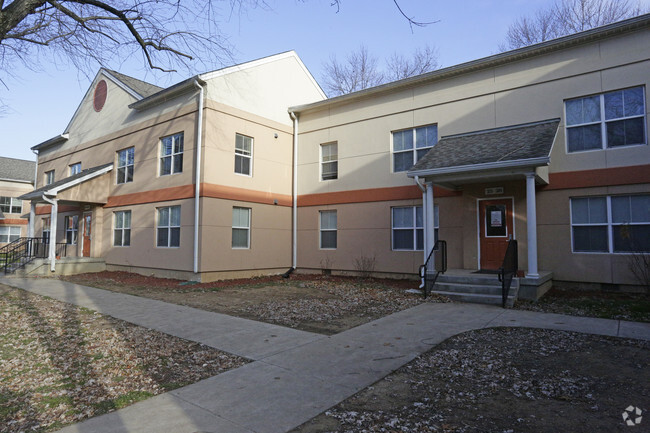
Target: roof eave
(167,94)
(51,142)
(519,163)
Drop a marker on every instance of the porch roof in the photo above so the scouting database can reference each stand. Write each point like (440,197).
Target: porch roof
(511,148)
(54,188)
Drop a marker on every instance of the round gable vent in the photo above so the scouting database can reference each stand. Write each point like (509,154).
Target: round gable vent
(100,95)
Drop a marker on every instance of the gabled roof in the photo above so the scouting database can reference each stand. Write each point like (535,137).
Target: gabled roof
(70,181)
(527,144)
(142,88)
(19,170)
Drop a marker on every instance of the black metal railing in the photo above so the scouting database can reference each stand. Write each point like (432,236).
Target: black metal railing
(18,253)
(508,270)
(439,263)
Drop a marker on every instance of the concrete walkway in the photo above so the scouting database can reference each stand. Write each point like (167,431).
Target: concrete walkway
(294,375)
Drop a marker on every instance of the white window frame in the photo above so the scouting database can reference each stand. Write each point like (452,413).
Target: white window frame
(329,161)
(74,168)
(413,150)
(14,206)
(73,230)
(240,227)
(49,177)
(609,224)
(604,121)
(123,229)
(168,226)
(9,235)
(173,155)
(322,230)
(126,167)
(241,154)
(414,227)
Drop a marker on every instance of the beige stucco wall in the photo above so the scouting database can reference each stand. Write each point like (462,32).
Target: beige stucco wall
(15,189)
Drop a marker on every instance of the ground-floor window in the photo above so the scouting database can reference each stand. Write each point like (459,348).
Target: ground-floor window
(328,224)
(9,234)
(71,224)
(408,227)
(611,224)
(241,227)
(169,227)
(46,230)
(122,229)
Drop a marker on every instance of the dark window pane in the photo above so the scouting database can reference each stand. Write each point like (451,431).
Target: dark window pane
(328,239)
(127,237)
(178,163)
(420,153)
(120,175)
(129,174)
(165,166)
(590,238)
(175,237)
(495,220)
(614,105)
(240,238)
(584,138)
(631,238)
(117,238)
(419,233)
(403,161)
(633,101)
(402,239)
(163,237)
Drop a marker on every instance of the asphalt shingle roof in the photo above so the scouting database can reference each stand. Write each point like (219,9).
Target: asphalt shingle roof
(17,169)
(512,143)
(141,87)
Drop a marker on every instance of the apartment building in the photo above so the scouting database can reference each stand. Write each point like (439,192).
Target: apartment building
(16,178)
(547,144)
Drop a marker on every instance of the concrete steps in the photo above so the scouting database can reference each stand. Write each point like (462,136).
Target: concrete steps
(475,288)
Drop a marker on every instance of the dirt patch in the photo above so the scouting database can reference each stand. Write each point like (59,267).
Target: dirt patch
(326,305)
(61,364)
(504,380)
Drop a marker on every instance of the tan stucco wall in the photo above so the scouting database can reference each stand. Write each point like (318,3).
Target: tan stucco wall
(15,189)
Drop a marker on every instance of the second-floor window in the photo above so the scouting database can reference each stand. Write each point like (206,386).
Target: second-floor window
(604,121)
(329,156)
(49,177)
(412,144)
(125,165)
(75,168)
(243,154)
(11,205)
(171,154)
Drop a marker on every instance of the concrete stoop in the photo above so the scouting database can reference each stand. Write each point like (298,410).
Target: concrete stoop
(475,288)
(63,266)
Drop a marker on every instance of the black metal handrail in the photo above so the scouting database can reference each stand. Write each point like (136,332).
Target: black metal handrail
(429,278)
(508,270)
(24,250)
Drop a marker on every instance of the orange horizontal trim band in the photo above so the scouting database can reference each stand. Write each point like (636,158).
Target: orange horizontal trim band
(164,194)
(12,222)
(411,192)
(599,177)
(241,194)
(47,209)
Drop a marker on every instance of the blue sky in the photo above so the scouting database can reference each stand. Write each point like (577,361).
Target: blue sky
(40,104)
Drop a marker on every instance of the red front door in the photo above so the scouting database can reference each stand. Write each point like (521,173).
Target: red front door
(88,217)
(495,228)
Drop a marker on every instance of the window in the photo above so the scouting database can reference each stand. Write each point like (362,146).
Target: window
(329,167)
(46,230)
(75,168)
(71,224)
(9,234)
(328,229)
(243,154)
(241,227)
(169,227)
(49,177)
(612,224)
(171,154)
(125,165)
(410,145)
(408,227)
(122,229)
(608,120)
(11,205)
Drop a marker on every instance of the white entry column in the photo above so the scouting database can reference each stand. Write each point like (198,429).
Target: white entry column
(52,253)
(429,236)
(32,217)
(531,213)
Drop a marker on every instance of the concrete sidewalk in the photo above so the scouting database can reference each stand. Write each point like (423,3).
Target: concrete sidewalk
(296,375)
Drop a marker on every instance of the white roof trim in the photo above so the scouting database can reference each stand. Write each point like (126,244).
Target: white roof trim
(532,162)
(55,191)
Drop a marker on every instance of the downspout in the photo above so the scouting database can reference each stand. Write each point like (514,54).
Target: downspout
(197,182)
(32,228)
(294,261)
(53,224)
(424,215)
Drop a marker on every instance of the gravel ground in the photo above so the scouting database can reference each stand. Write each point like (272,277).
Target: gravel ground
(504,380)
(61,364)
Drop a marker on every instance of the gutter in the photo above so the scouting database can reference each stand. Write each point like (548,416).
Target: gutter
(544,160)
(167,94)
(197,181)
(294,247)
